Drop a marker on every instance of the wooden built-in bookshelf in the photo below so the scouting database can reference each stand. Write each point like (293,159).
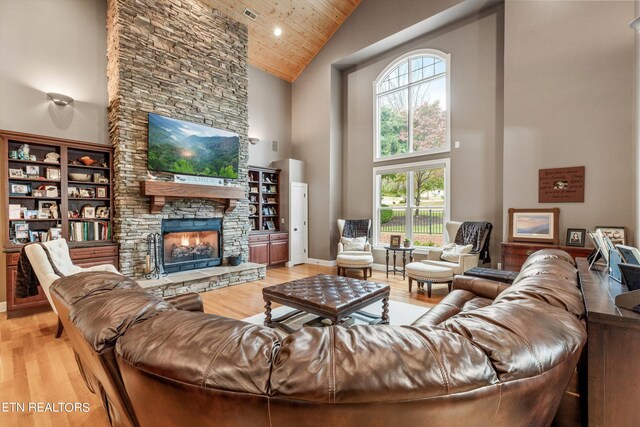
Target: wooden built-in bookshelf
(264,196)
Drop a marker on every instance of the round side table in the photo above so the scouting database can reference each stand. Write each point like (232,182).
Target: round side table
(404,251)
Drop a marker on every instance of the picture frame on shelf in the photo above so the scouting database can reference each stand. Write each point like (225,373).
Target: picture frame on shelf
(534,225)
(73,192)
(20,226)
(102,212)
(34,236)
(88,212)
(53,174)
(394,240)
(617,234)
(15,211)
(31,214)
(103,180)
(271,200)
(39,193)
(48,207)
(253,189)
(55,233)
(20,189)
(32,170)
(101,192)
(16,173)
(270,225)
(51,191)
(576,237)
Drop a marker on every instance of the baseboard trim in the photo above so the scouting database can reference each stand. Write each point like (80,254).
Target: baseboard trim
(3,306)
(379,267)
(322,262)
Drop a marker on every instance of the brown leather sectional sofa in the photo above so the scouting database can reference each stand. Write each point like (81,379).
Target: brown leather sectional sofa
(487,354)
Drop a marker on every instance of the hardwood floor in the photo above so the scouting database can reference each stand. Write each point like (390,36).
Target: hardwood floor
(36,367)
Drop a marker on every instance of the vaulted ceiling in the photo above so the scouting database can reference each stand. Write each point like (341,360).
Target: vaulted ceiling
(306,26)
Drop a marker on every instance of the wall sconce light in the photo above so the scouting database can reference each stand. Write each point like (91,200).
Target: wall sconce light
(60,99)
(635,24)
(254,140)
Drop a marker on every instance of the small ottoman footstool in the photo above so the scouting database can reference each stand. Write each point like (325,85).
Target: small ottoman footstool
(429,274)
(354,261)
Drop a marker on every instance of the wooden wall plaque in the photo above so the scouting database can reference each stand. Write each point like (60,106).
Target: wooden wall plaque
(561,185)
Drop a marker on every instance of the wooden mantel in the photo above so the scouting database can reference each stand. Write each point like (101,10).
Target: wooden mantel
(161,191)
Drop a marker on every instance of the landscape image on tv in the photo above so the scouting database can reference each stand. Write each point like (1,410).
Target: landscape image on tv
(187,148)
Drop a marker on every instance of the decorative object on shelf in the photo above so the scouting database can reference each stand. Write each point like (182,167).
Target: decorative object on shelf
(16,173)
(55,233)
(103,180)
(271,200)
(615,233)
(534,225)
(50,190)
(34,236)
(150,177)
(576,237)
(394,240)
(33,171)
(53,174)
(73,192)
(153,267)
(43,215)
(23,152)
(101,193)
(253,189)
(201,180)
(252,209)
(20,189)
(60,99)
(87,160)
(561,185)
(270,225)
(31,214)
(102,212)
(52,157)
(86,193)
(407,243)
(21,231)
(39,193)
(88,211)
(49,208)
(33,158)
(81,177)
(235,260)
(73,214)
(15,211)
(13,155)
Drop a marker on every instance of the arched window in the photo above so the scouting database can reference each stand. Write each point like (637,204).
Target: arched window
(412,106)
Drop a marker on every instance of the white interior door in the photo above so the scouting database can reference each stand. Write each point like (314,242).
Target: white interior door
(298,219)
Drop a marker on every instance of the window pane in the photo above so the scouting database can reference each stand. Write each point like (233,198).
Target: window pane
(396,78)
(393,117)
(429,121)
(429,202)
(392,221)
(393,190)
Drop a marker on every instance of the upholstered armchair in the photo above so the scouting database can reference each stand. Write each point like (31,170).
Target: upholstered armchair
(458,257)
(354,252)
(61,258)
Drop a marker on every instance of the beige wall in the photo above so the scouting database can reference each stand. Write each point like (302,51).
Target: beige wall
(269,117)
(475,46)
(568,102)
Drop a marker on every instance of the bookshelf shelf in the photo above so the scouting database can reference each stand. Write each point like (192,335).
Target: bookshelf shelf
(265,181)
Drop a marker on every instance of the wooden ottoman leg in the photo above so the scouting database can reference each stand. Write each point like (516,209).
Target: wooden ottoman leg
(429,289)
(364,272)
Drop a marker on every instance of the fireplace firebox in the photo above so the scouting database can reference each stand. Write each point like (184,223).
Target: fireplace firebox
(188,244)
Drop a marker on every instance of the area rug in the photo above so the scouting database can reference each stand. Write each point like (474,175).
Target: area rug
(400,313)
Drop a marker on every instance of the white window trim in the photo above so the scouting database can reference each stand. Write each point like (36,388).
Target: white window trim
(446,57)
(406,167)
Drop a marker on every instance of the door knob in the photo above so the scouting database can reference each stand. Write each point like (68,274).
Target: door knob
(295,229)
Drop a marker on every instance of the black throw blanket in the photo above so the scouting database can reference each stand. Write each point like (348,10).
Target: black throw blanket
(473,233)
(356,228)
(26,279)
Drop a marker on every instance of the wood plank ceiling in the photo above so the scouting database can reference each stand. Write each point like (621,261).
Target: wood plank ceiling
(306,26)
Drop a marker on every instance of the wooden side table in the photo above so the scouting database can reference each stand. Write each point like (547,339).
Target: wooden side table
(404,251)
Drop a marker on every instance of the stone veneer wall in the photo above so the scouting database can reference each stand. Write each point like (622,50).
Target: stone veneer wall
(181,59)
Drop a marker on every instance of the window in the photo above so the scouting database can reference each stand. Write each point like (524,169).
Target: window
(411,200)
(412,114)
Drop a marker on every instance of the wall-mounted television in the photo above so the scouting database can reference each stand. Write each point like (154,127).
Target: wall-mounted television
(188,148)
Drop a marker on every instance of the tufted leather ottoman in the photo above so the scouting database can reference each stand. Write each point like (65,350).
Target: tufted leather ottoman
(325,295)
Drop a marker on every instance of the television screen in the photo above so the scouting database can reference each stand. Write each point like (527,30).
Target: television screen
(187,148)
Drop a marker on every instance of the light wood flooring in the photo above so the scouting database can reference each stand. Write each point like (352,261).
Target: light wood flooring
(36,367)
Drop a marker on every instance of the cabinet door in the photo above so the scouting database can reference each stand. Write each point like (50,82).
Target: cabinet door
(259,252)
(278,252)
(15,303)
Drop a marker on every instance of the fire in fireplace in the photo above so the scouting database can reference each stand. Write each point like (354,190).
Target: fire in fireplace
(191,244)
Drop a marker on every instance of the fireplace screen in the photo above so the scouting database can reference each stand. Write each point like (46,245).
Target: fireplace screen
(190,246)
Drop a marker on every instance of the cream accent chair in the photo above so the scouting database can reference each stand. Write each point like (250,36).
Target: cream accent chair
(59,252)
(353,260)
(466,261)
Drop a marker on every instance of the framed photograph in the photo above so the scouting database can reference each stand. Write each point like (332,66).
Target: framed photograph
(253,189)
(271,225)
(394,240)
(53,174)
(102,212)
(20,226)
(31,214)
(73,192)
(21,189)
(271,200)
(576,237)
(33,170)
(50,208)
(34,236)
(16,173)
(616,234)
(15,212)
(39,193)
(51,190)
(101,193)
(88,212)
(534,225)
(561,185)
(103,180)
(55,233)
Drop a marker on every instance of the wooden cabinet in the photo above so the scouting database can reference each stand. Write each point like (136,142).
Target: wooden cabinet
(269,248)
(264,198)
(81,256)
(515,254)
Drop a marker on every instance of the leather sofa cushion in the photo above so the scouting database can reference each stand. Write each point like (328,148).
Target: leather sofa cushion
(377,364)
(204,350)
(72,289)
(455,302)
(556,291)
(556,268)
(546,255)
(521,340)
(106,316)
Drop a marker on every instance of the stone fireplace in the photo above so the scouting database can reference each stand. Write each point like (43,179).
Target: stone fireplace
(185,60)
(188,244)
